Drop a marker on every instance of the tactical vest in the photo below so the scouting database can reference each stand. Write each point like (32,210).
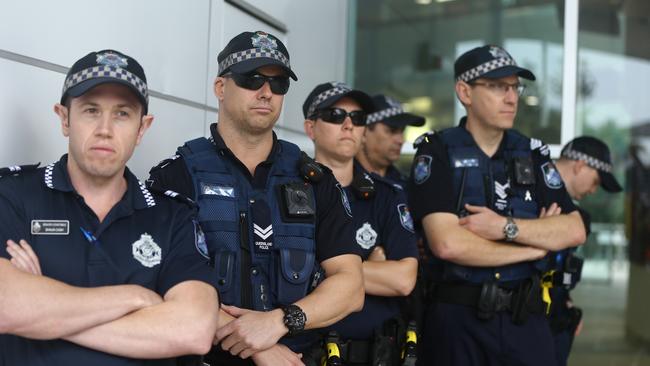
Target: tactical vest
(260,268)
(483,181)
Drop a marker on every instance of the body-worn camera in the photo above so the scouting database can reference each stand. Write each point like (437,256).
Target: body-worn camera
(298,200)
(524,174)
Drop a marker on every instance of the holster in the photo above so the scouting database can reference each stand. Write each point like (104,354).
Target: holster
(492,300)
(524,299)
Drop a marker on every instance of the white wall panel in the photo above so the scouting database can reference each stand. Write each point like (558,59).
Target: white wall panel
(168,38)
(30,130)
(173,125)
(176,41)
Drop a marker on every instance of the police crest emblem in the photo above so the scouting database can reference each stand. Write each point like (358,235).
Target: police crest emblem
(366,236)
(264,41)
(111,59)
(498,52)
(552,177)
(422,168)
(405,217)
(146,251)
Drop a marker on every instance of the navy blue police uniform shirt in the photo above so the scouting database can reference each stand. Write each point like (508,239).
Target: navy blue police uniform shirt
(146,239)
(333,223)
(393,174)
(384,220)
(436,192)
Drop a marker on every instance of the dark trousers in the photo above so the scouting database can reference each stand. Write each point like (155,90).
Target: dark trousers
(453,335)
(563,342)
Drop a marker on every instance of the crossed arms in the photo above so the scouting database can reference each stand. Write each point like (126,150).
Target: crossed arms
(477,239)
(124,320)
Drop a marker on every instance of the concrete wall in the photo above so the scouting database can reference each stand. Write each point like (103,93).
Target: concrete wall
(177,43)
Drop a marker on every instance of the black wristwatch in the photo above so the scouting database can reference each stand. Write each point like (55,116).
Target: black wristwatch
(294,319)
(511,230)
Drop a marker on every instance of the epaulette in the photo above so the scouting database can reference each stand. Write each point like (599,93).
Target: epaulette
(424,138)
(174,195)
(164,163)
(311,170)
(388,182)
(17,169)
(543,148)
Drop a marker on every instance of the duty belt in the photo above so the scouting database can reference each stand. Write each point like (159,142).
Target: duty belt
(490,298)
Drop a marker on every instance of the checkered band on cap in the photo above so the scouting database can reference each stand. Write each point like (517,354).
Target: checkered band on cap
(383,114)
(106,71)
(590,160)
(252,53)
(320,98)
(486,67)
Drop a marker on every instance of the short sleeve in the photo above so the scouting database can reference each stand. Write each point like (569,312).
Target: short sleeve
(550,187)
(334,226)
(430,185)
(188,257)
(171,174)
(398,232)
(12,216)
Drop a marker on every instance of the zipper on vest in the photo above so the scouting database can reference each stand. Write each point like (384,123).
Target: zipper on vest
(245,285)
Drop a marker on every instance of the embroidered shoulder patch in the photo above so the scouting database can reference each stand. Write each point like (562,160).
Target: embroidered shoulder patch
(422,168)
(405,217)
(552,177)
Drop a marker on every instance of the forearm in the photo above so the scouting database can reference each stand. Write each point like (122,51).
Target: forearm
(39,307)
(552,233)
(180,325)
(340,294)
(451,242)
(390,277)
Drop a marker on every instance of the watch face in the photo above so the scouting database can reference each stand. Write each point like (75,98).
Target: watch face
(294,319)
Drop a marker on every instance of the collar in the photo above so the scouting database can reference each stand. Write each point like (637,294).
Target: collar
(56,177)
(463,125)
(220,145)
(394,173)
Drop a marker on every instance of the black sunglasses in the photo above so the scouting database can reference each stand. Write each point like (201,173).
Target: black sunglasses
(254,81)
(338,115)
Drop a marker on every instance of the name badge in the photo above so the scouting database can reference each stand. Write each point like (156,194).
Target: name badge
(50,227)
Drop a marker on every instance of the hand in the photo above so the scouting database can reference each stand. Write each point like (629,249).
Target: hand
(553,210)
(23,257)
(278,355)
(537,253)
(578,329)
(252,331)
(483,222)
(377,255)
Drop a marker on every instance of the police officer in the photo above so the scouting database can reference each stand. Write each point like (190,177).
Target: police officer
(271,214)
(584,164)
(477,190)
(102,271)
(335,118)
(384,137)
(381,148)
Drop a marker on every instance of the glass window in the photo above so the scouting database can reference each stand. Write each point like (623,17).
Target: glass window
(407,49)
(612,104)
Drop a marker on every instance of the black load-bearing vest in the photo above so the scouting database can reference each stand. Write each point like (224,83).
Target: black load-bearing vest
(492,182)
(262,260)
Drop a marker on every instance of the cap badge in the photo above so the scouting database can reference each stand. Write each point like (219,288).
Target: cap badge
(112,59)
(498,52)
(340,84)
(264,41)
(393,103)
